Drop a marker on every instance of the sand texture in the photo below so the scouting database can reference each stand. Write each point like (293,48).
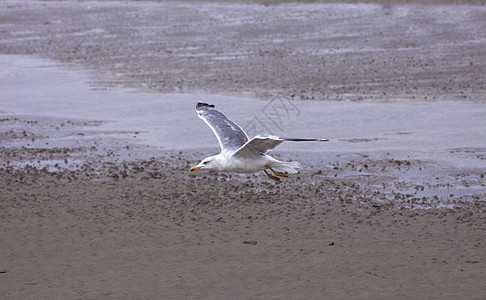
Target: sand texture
(98,131)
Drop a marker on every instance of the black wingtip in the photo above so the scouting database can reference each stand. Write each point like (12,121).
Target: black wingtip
(202,104)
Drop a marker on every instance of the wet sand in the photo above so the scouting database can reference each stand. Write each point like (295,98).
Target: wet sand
(292,51)
(96,197)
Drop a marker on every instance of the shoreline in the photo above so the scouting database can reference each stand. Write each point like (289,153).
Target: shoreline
(97,200)
(291,51)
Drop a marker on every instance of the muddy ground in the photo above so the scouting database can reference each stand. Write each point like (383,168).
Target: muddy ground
(92,222)
(294,51)
(89,212)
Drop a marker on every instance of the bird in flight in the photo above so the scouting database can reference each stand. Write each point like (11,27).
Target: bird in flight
(239,153)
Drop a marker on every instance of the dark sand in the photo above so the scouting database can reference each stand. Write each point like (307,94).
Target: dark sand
(94,207)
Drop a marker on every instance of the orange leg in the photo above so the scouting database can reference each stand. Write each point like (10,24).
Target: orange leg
(277,173)
(272,177)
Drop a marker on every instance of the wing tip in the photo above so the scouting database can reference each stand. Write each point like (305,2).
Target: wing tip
(202,104)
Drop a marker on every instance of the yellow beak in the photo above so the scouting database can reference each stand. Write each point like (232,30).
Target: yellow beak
(195,168)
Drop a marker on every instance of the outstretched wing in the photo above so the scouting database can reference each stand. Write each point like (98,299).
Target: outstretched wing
(230,136)
(262,144)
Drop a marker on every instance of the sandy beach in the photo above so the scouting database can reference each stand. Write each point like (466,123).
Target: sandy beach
(98,131)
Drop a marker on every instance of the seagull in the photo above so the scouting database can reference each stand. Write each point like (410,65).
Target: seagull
(239,153)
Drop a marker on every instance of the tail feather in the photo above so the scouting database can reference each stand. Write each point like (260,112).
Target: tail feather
(289,167)
(303,140)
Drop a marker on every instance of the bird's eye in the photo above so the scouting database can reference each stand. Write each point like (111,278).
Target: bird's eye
(205,163)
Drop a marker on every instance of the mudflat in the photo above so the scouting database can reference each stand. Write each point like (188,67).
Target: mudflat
(98,131)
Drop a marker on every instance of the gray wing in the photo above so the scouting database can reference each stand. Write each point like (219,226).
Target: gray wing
(262,144)
(230,136)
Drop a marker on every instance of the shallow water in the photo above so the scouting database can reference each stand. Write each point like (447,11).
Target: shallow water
(422,150)
(447,131)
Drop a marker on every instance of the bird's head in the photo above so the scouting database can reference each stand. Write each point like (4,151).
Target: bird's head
(209,163)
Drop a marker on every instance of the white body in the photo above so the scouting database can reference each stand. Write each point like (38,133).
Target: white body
(226,162)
